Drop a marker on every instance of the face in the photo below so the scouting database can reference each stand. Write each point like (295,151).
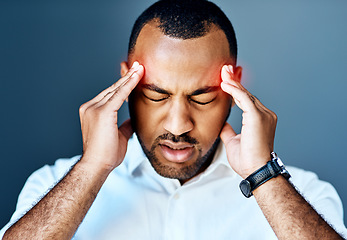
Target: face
(178,109)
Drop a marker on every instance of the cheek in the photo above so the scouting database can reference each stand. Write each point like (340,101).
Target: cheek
(210,122)
(147,121)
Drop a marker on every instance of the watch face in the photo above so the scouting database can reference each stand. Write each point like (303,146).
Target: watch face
(245,188)
(280,163)
(284,172)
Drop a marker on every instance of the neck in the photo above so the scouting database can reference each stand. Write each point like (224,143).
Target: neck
(210,155)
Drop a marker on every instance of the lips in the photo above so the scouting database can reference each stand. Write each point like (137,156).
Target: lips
(176,152)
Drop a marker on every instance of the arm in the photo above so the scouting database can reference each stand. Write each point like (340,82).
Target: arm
(60,212)
(288,213)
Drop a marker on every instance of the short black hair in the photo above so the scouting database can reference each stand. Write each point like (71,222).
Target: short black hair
(185,19)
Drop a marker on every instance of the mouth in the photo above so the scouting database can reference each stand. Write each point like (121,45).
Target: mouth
(176,152)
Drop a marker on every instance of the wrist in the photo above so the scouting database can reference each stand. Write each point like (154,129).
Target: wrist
(270,185)
(256,165)
(270,170)
(94,166)
(250,170)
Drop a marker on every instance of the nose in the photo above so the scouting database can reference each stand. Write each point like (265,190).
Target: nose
(178,119)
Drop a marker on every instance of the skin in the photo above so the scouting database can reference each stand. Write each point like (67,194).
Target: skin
(59,213)
(179,95)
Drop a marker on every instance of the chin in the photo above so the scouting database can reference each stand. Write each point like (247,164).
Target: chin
(181,171)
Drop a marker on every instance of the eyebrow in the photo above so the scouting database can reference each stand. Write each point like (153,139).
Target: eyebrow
(199,91)
(155,88)
(205,90)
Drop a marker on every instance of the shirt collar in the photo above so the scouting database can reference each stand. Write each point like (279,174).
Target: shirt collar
(136,157)
(219,158)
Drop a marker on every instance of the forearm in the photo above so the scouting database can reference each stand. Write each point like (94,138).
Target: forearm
(60,212)
(289,214)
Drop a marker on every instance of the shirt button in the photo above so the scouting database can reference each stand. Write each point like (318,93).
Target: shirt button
(177,196)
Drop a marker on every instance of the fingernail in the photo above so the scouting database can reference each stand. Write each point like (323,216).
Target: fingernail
(231,69)
(135,65)
(226,68)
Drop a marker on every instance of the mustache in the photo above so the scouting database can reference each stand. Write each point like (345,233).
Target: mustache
(181,138)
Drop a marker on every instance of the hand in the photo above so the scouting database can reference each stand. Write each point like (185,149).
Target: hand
(249,150)
(104,144)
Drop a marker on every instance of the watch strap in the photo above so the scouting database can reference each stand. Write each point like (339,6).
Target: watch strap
(263,175)
(272,169)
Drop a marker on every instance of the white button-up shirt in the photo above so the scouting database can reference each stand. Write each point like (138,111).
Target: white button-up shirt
(137,203)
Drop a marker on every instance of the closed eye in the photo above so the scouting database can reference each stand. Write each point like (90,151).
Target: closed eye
(156,98)
(204,96)
(154,93)
(203,102)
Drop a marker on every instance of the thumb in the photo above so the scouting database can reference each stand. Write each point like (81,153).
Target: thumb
(227,133)
(126,129)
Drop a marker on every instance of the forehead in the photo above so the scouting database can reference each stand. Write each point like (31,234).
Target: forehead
(172,62)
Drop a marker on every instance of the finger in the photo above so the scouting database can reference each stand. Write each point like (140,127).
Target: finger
(227,75)
(106,91)
(118,83)
(228,78)
(131,71)
(240,96)
(123,92)
(227,133)
(118,88)
(126,129)
(259,104)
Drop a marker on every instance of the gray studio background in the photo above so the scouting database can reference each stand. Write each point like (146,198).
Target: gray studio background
(56,55)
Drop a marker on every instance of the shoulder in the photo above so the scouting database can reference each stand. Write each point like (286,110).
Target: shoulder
(321,195)
(308,181)
(43,179)
(53,173)
(38,184)
(310,186)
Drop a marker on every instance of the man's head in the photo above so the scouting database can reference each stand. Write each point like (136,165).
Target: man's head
(178,109)
(185,19)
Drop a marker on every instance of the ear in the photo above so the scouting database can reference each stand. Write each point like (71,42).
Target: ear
(238,73)
(124,68)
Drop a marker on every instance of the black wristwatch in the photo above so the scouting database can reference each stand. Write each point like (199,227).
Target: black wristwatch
(272,169)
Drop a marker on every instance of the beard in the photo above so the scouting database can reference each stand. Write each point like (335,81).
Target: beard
(185,172)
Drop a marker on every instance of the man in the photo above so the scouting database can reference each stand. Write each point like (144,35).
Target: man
(175,179)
